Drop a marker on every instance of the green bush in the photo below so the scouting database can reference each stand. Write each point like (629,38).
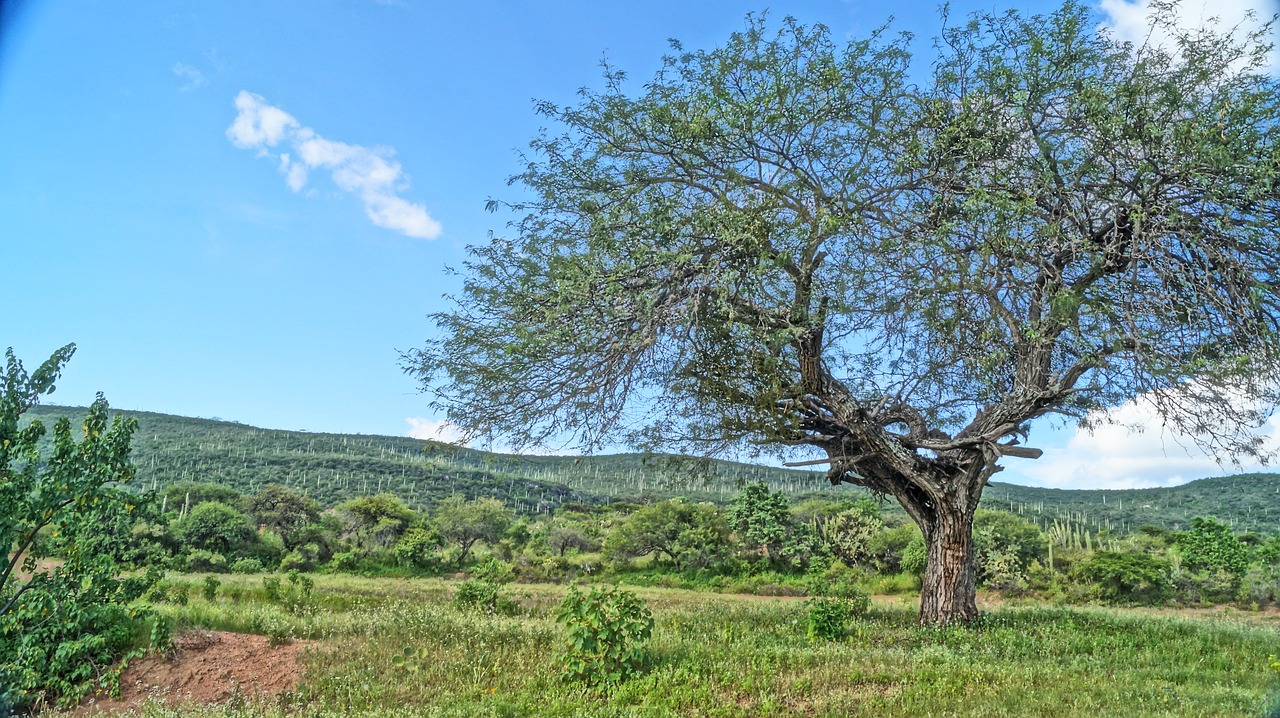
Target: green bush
(607,629)
(1126,578)
(210,588)
(64,627)
(828,618)
(247,565)
(297,560)
(1211,546)
(483,592)
(202,561)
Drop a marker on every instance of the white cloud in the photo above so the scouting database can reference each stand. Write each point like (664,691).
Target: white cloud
(370,173)
(190,76)
(433,429)
(1131,21)
(1115,457)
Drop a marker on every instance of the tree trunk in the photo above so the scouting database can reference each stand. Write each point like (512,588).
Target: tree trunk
(948,593)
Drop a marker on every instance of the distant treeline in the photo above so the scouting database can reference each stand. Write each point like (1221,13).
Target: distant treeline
(333,468)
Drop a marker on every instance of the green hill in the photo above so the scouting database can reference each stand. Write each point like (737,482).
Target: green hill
(336,467)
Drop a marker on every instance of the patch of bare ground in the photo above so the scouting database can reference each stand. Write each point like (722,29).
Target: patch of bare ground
(206,667)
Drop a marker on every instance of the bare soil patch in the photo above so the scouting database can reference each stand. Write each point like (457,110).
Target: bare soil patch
(207,667)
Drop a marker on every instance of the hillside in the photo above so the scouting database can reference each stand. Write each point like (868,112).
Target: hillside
(335,467)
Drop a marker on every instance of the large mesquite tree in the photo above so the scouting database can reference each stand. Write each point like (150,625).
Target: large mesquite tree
(785,243)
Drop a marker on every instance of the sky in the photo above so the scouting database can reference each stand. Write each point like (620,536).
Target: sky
(245,210)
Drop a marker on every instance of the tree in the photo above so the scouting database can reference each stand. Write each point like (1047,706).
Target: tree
(284,511)
(689,535)
(464,523)
(63,627)
(762,520)
(215,527)
(794,246)
(376,521)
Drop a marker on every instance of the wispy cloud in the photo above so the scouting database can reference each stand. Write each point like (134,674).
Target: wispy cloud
(190,76)
(369,173)
(1113,456)
(1131,21)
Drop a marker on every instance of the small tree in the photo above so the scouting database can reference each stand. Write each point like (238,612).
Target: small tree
(687,534)
(376,521)
(215,527)
(762,520)
(464,523)
(283,510)
(799,243)
(62,627)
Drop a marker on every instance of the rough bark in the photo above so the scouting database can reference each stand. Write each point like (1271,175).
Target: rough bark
(948,593)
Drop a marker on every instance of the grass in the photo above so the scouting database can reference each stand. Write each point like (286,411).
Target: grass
(720,655)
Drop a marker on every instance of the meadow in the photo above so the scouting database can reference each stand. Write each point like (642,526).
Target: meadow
(726,655)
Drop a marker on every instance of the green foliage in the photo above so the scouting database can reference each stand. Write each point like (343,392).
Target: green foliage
(283,510)
(762,520)
(1127,578)
(1211,545)
(376,522)
(419,548)
(607,629)
(828,618)
(464,523)
(483,592)
(689,535)
(914,557)
(885,550)
(848,534)
(1005,546)
(63,626)
(210,588)
(183,496)
(215,527)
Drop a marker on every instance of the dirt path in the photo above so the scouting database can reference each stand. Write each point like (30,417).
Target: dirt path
(207,667)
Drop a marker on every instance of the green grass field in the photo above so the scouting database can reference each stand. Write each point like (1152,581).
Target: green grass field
(721,655)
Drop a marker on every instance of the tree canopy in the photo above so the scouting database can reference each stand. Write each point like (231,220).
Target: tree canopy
(786,241)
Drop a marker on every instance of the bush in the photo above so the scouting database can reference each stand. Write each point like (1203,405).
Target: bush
(297,560)
(247,565)
(828,618)
(607,630)
(1126,578)
(484,591)
(202,561)
(1260,586)
(346,561)
(210,588)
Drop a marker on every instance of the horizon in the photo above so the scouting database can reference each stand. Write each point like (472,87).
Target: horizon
(231,221)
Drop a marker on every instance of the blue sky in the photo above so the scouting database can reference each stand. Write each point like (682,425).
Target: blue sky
(202,275)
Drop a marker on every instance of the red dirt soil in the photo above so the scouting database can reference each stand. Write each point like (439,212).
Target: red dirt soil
(207,667)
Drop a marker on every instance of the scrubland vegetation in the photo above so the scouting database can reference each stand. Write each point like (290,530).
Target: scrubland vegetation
(397,646)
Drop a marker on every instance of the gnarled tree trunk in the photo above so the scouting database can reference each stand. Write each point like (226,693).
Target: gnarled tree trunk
(948,592)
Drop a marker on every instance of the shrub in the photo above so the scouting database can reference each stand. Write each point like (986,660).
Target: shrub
(828,618)
(297,560)
(484,591)
(915,556)
(271,588)
(607,630)
(346,561)
(1210,545)
(210,588)
(1260,585)
(202,561)
(247,565)
(1126,578)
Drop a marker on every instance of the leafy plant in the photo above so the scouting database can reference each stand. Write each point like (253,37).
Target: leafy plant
(607,630)
(1126,578)
(62,627)
(210,588)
